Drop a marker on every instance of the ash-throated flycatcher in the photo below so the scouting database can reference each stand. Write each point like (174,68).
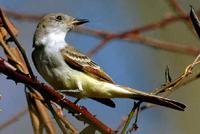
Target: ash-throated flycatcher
(72,72)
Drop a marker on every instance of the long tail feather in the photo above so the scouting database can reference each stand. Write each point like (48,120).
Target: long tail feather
(160,101)
(145,97)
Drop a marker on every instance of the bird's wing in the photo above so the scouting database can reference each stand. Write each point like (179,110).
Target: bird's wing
(81,62)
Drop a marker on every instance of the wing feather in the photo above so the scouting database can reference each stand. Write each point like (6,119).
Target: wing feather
(81,62)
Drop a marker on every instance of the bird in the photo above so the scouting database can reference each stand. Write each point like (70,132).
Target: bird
(73,73)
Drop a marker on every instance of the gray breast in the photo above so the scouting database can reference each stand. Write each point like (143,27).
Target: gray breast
(51,67)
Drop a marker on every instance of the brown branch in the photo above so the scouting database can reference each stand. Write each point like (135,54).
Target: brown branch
(133,35)
(12,35)
(169,46)
(145,28)
(39,115)
(81,112)
(128,35)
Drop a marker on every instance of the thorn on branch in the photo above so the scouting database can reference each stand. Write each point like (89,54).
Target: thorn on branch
(168,78)
(9,39)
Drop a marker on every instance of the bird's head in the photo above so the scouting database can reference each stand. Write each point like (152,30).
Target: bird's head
(56,23)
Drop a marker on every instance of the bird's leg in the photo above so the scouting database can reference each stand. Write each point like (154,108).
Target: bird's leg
(80,88)
(79,85)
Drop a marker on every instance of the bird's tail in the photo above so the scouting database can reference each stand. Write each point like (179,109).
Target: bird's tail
(145,97)
(110,90)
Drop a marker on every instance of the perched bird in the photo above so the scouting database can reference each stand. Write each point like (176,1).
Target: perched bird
(75,74)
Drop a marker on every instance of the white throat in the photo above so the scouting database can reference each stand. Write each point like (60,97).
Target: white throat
(55,39)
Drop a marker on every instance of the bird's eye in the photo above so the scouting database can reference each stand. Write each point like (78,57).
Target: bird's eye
(59,18)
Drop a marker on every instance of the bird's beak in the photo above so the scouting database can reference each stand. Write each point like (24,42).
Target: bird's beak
(77,22)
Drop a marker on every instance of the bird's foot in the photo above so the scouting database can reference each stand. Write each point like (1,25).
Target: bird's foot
(76,101)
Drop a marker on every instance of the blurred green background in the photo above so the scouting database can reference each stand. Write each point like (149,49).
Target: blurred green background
(128,63)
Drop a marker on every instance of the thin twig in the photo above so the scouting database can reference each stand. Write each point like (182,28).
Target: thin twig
(14,118)
(152,26)
(167,87)
(130,116)
(155,43)
(128,35)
